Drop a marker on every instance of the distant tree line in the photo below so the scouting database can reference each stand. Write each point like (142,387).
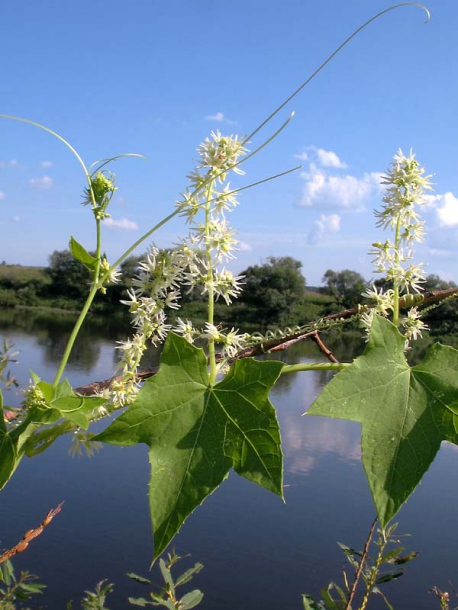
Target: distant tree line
(275,292)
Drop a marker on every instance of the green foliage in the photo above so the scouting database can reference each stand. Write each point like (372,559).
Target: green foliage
(205,413)
(129,268)
(8,298)
(47,405)
(345,286)
(22,285)
(95,600)
(198,432)
(19,276)
(7,357)
(444,598)
(80,254)
(68,275)
(442,320)
(273,291)
(404,412)
(370,572)
(167,596)
(14,590)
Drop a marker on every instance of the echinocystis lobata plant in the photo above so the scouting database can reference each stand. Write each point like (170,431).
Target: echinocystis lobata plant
(207,410)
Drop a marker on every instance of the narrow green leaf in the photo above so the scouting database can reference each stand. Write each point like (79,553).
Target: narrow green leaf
(188,575)
(35,378)
(403,559)
(138,578)
(309,603)
(390,555)
(405,412)
(388,577)
(82,255)
(197,432)
(191,599)
(166,575)
(340,591)
(377,591)
(32,588)
(139,601)
(348,550)
(7,572)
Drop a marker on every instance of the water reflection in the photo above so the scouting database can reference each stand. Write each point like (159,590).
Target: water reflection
(307,441)
(272,552)
(42,338)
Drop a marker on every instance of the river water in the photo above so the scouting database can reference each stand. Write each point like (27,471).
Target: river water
(258,552)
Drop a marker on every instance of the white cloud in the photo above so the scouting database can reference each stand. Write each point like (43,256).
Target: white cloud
(303,156)
(328,158)
(324,225)
(346,192)
(2,195)
(439,253)
(10,163)
(46,164)
(446,206)
(327,186)
(123,223)
(324,158)
(243,247)
(219,116)
(43,183)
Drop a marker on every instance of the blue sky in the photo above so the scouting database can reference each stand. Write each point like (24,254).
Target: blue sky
(155,77)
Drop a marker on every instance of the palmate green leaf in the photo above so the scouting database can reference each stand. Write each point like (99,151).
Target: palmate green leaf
(67,404)
(197,433)
(404,412)
(30,438)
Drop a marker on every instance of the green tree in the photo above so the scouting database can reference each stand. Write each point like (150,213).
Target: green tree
(273,291)
(69,277)
(442,320)
(345,286)
(129,268)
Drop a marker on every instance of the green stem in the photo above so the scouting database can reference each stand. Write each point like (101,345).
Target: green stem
(361,566)
(211,292)
(74,334)
(397,242)
(87,305)
(375,570)
(331,57)
(314,366)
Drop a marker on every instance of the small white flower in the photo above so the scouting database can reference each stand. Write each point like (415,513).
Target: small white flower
(413,325)
(225,201)
(220,154)
(383,301)
(186,330)
(224,284)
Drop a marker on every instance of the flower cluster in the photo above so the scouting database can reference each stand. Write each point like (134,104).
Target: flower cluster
(219,154)
(155,288)
(98,195)
(193,264)
(33,397)
(406,184)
